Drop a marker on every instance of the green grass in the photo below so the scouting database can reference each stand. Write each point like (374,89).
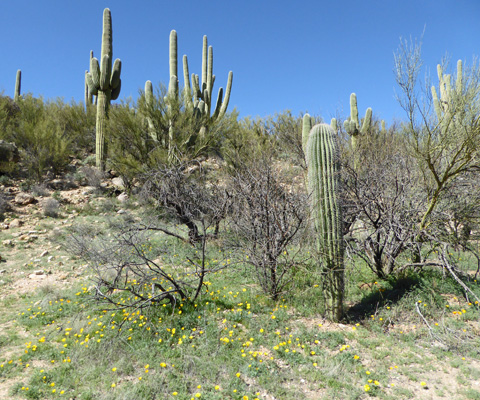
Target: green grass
(235,342)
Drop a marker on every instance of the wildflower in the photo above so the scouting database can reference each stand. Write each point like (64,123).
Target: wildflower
(367,387)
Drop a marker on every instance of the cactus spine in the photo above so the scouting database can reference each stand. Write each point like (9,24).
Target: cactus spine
(104,82)
(18,85)
(323,184)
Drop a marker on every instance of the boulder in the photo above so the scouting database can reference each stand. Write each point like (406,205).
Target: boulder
(8,152)
(24,199)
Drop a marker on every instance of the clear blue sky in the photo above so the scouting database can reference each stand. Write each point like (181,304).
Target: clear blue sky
(296,55)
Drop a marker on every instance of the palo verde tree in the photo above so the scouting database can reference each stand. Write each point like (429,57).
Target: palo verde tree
(443,132)
(104,81)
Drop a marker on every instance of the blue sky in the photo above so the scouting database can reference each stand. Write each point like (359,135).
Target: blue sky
(285,55)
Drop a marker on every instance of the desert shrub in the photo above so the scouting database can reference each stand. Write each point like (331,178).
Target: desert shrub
(51,208)
(40,138)
(4,206)
(39,190)
(268,217)
(93,176)
(146,136)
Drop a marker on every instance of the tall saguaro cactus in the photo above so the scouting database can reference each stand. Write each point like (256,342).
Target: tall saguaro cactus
(323,183)
(18,85)
(104,82)
(197,95)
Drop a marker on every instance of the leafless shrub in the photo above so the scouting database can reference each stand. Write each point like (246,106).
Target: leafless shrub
(134,259)
(382,201)
(40,190)
(93,176)
(4,206)
(187,194)
(51,208)
(268,217)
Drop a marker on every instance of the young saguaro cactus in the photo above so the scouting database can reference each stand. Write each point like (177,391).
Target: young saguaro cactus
(18,85)
(104,81)
(323,184)
(352,125)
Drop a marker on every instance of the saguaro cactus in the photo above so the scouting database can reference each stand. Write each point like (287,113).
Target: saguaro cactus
(18,85)
(444,106)
(353,128)
(323,183)
(105,83)
(352,125)
(197,96)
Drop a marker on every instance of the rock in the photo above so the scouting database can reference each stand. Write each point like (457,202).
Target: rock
(118,183)
(8,243)
(2,271)
(35,276)
(45,253)
(50,258)
(39,272)
(24,199)
(61,184)
(8,152)
(121,212)
(89,190)
(15,223)
(122,197)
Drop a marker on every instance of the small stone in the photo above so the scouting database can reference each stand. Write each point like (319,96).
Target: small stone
(45,253)
(50,258)
(122,197)
(8,243)
(39,272)
(118,182)
(121,212)
(2,271)
(16,223)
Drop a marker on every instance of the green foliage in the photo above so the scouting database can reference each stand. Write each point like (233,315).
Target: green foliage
(149,133)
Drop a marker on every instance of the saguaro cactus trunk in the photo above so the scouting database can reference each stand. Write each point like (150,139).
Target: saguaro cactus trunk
(323,183)
(104,82)
(18,85)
